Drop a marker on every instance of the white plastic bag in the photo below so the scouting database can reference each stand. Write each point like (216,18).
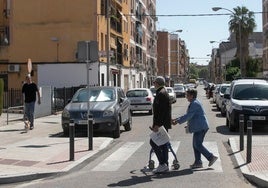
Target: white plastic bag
(161,137)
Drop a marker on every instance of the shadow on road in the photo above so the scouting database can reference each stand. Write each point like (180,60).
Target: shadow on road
(135,179)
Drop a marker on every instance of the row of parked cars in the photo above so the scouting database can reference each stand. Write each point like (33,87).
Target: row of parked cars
(248,97)
(110,107)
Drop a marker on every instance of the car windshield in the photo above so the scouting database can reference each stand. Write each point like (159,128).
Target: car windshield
(137,93)
(95,95)
(178,87)
(169,90)
(223,88)
(251,92)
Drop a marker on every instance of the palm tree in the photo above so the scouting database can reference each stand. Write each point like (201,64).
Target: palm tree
(242,23)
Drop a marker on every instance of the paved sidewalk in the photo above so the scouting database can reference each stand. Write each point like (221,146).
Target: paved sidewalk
(257,170)
(43,152)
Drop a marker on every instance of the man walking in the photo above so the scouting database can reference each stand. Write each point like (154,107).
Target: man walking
(29,91)
(161,117)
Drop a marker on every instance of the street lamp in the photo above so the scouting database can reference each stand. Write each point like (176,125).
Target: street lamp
(240,48)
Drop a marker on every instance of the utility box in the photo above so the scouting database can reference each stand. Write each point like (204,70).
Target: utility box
(87,51)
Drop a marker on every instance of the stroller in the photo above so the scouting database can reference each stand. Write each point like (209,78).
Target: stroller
(175,164)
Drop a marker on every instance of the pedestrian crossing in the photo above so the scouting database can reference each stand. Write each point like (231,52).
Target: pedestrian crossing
(114,161)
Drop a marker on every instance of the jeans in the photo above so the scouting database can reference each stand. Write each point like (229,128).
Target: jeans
(161,152)
(29,112)
(198,147)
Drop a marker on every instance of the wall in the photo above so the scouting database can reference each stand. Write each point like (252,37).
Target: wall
(44,109)
(67,75)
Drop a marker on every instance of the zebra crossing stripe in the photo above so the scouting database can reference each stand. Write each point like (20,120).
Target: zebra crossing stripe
(117,159)
(213,148)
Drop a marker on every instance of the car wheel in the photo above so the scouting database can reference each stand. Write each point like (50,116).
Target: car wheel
(223,114)
(128,125)
(223,111)
(116,132)
(218,108)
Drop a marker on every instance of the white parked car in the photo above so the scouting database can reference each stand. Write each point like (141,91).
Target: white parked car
(172,94)
(141,99)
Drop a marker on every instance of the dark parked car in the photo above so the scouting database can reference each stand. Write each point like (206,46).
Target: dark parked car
(109,107)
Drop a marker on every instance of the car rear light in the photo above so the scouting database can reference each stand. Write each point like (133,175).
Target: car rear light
(148,99)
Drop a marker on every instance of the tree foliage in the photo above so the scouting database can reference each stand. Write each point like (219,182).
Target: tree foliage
(242,23)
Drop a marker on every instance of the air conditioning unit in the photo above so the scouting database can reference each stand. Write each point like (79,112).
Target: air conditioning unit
(13,68)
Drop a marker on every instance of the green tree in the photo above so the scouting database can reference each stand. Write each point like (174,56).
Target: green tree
(242,23)
(193,71)
(203,73)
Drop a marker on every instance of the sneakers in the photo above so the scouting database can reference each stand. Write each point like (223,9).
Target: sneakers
(161,168)
(212,161)
(194,166)
(32,127)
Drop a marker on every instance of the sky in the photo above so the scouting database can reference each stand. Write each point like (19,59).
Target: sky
(197,31)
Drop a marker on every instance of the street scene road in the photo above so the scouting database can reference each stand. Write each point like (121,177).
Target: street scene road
(122,162)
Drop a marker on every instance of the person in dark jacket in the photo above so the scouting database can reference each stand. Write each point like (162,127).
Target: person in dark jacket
(197,124)
(161,117)
(29,91)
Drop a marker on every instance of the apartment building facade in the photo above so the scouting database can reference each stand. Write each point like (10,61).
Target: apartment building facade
(48,33)
(265,37)
(172,57)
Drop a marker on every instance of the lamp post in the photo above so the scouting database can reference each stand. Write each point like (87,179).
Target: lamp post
(108,41)
(240,39)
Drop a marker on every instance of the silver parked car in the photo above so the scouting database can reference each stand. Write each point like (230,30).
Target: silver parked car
(109,107)
(172,95)
(141,99)
(179,90)
(220,95)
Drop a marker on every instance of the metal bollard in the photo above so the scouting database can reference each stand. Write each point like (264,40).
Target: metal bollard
(71,135)
(249,140)
(90,132)
(241,131)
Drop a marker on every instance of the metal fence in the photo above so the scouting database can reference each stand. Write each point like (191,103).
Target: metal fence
(13,97)
(59,99)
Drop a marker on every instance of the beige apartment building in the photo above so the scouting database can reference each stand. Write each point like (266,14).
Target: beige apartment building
(48,33)
(172,57)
